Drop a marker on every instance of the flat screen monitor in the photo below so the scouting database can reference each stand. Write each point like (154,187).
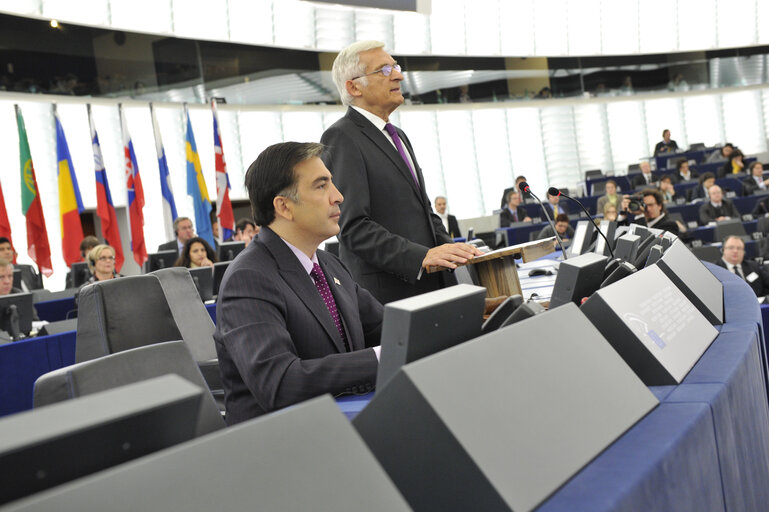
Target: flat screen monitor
(17,279)
(219,269)
(419,326)
(583,236)
(228,250)
(58,443)
(80,273)
(16,314)
(158,260)
(608,228)
(203,277)
(726,228)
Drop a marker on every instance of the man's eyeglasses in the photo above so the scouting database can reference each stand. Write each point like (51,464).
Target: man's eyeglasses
(386,70)
(649,205)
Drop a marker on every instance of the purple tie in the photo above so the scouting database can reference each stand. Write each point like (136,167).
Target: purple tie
(398,144)
(325,293)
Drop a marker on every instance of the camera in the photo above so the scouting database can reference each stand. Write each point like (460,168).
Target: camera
(636,203)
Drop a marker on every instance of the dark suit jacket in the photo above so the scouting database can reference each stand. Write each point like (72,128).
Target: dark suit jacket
(749,186)
(761,208)
(173,245)
(454,231)
(760,285)
(506,218)
(562,208)
(708,212)
(639,181)
(666,224)
(387,222)
(276,341)
(697,192)
(693,175)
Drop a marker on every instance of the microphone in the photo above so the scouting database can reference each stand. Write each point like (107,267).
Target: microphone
(555,192)
(526,190)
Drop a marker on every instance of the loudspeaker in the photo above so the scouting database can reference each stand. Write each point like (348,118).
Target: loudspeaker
(577,278)
(502,421)
(307,457)
(652,325)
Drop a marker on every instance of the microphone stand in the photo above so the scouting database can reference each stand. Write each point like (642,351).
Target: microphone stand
(527,190)
(555,192)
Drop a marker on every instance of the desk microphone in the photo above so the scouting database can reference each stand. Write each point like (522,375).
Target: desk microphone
(526,190)
(555,192)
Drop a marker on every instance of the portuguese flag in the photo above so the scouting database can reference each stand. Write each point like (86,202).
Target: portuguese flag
(31,206)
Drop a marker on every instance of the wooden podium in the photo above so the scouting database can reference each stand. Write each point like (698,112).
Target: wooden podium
(496,269)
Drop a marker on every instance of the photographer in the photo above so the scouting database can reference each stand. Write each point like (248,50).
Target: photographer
(647,209)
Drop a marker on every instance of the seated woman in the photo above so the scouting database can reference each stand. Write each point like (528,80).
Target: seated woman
(610,212)
(668,190)
(735,165)
(196,253)
(755,182)
(611,197)
(101,263)
(706,181)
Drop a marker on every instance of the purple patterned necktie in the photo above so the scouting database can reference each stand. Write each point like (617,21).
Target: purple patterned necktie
(325,293)
(398,144)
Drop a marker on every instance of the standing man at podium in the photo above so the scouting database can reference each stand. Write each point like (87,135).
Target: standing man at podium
(389,233)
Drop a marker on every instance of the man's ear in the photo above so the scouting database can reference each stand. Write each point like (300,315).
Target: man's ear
(353,88)
(283,207)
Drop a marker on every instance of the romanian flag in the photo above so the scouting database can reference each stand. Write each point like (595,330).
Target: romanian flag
(223,204)
(166,192)
(196,188)
(5,225)
(105,208)
(31,206)
(135,195)
(70,202)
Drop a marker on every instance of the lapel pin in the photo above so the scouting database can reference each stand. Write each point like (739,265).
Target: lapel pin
(336,281)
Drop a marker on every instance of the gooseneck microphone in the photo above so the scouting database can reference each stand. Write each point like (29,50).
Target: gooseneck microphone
(526,190)
(555,192)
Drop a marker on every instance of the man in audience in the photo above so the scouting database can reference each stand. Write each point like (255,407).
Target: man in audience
(291,321)
(684,173)
(717,208)
(706,181)
(733,260)
(6,278)
(562,226)
(245,230)
(654,213)
(448,220)
(6,250)
(666,145)
(184,231)
(755,182)
(721,155)
(646,178)
(513,212)
(30,279)
(389,233)
(555,206)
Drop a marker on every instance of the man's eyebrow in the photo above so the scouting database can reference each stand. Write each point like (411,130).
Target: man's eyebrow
(321,179)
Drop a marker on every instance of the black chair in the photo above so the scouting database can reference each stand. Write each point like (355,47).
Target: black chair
(730,227)
(709,253)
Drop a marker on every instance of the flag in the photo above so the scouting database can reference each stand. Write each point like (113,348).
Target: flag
(196,188)
(166,192)
(5,225)
(135,195)
(31,206)
(70,202)
(223,204)
(105,208)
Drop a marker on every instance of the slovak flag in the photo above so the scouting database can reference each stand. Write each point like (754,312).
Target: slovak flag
(135,195)
(223,204)
(105,208)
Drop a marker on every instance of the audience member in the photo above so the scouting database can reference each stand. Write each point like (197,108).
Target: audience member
(762,208)
(30,279)
(449,221)
(722,155)
(667,189)
(279,341)
(717,208)
(666,145)
(101,263)
(683,172)
(733,259)
(755,182)
(706,180)
(245,230)
(6,278)
(735,165)
(555,206)
(610,211)
(6,250)
(184,231)
(196,253)
(562,226)
(513,212)
(646,178)
(86,245)
(654,213)
(610,197)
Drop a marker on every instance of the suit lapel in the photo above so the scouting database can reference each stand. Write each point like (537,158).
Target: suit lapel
(344,303)
(301,283)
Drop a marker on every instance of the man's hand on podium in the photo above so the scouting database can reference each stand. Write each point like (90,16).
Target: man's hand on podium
(448,255)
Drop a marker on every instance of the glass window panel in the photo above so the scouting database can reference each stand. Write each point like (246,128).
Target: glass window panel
(592,130)
(482,26)
(421,128)
(148,15)
(374,24)
(696,24)
(526,150)
(302,126)
(743,123)
(736,23)
(517,18)
(762,19)
(619,27)
(332,116)
(334,27)
(447,28)
(258,129)
(86,12)
(627,133)
(657,21)
(665,114)
(493,155)
(703,119)
(201,19)
(250,21)
(584,27)
(411,32)
(32,7)
(294,24)
(551,22)
(460,171)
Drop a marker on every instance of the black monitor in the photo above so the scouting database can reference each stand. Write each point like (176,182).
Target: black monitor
(16,314)
(204,282)
(161,259)
(58,443)
(726,228)
(608,228)
(228,250)
(577,278)
(419,326)
(219,270)
(583,236)
(17,278)
(80,273)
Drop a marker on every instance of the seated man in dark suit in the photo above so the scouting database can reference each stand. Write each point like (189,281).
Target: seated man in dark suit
(646,178)
(654,214)
(554,207)
(717,208)
(513,212)
(683,173)
(706,181)
(449,221)
(184,231)
(291,323)
(755,182)
(6,278)
(733,260)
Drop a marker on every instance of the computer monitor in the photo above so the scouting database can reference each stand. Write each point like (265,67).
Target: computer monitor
(17,278)
(80,273)
(726,228)
(228,250)
(48,446)
(583,236)
(204,282)
(162,259)
(219,269)
(422,325)
(16,314)
(608,228)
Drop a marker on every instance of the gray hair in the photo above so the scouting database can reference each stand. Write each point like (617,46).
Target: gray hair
(347,66)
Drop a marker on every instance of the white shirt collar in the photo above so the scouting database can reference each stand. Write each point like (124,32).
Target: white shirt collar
(651,223)
(306,262)
(375,119)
